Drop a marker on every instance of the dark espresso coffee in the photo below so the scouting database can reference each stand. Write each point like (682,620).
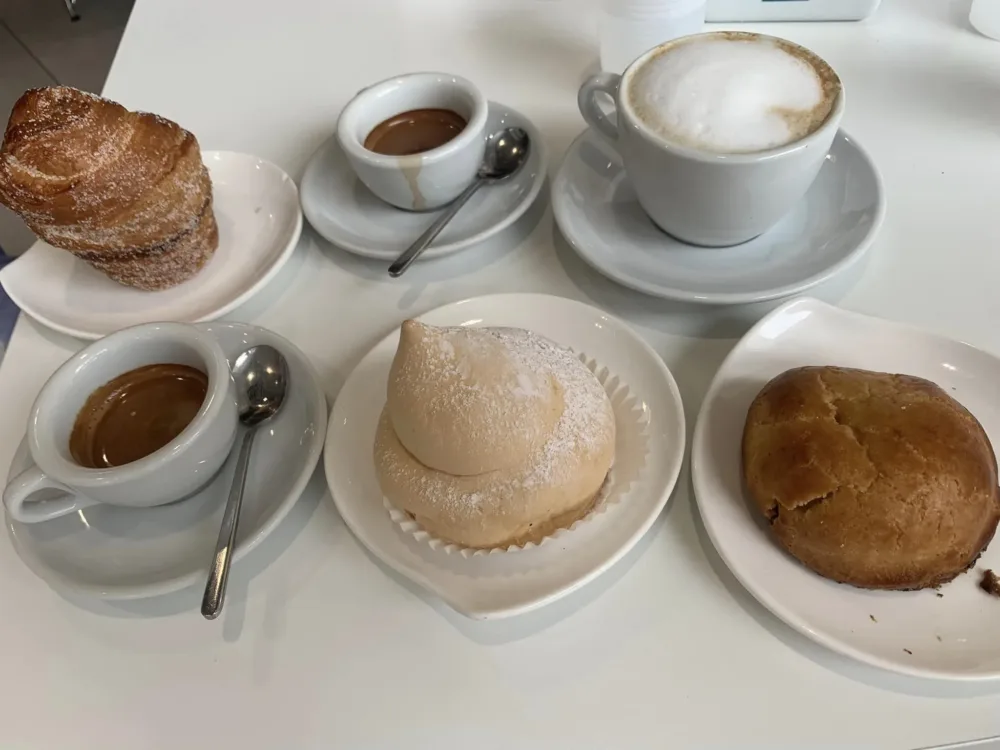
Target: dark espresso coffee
(136,414)
(414,132)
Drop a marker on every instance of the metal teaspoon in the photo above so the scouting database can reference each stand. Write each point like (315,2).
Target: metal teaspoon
(261,377)
(506,152)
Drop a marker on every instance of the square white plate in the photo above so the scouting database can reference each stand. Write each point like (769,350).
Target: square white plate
(952,636)
(495,585)
(257,209)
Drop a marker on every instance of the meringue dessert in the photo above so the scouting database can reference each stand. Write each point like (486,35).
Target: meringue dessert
(491,437)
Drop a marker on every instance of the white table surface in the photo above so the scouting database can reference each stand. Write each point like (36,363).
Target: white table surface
(319,647)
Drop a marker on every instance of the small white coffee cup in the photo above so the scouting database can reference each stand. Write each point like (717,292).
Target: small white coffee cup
(424,181)
(57,485)
(702,197)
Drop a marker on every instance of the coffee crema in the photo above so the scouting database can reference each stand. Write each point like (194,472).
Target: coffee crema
(415,131)
(733,92)
(136,414)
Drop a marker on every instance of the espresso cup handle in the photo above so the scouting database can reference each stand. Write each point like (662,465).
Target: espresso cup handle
(17,497)
(586,100)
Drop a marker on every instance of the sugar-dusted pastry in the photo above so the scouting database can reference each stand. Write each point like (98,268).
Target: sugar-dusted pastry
(881,481)
(124,191)
(464,401)
(492,436)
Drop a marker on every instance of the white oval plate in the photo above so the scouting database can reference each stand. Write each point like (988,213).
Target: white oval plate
(257,209)
(823,235)
(502,585)
(952,636)
(129,553)
(342,210)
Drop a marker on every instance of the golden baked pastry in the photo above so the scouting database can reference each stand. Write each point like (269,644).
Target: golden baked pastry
(124,191)
(491,436)
(881,481)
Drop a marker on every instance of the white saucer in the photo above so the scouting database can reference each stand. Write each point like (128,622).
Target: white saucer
(345,212)
(504,584)
(257,210)
(124,553)
(953,636)
(827,232)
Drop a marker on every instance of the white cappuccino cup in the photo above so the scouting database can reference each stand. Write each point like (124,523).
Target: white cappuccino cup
(720,133)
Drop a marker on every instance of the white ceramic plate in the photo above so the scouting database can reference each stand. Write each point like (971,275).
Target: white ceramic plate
(953,636)
(126,553)
(511,583)
(987,743)
(828,231)
(347,214)
(257,209)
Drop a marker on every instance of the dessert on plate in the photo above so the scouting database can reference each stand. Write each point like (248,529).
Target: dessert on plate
(127,192)
(491,437)
(877,480)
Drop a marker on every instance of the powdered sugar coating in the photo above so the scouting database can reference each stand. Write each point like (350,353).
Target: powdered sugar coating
(561,477)
(177,262)
(110,185)
(470,400)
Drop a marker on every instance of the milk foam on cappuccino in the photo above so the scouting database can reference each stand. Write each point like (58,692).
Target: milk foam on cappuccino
(733,93)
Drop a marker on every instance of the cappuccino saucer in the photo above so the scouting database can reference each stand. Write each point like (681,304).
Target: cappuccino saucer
(129,553)
(342,210)
(826,233)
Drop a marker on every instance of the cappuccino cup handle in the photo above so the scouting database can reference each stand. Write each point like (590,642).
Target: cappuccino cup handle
(586,100)
(58,499)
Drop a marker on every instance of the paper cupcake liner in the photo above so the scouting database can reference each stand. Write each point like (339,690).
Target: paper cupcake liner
(631,449)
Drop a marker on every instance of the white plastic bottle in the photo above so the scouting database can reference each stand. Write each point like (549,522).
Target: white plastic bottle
(985,16)
(627,28)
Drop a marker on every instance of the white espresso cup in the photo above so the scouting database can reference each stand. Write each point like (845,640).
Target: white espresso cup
(700,196)
(430,179)
(56,484)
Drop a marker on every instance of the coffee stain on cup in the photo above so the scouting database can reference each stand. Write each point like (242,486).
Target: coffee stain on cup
(412,176)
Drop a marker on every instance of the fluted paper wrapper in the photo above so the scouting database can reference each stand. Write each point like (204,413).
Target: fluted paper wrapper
(631,450)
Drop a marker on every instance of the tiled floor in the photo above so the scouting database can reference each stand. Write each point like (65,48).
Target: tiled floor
(40,46)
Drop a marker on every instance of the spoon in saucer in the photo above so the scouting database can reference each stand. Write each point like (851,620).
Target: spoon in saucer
(261,378)
(506,152)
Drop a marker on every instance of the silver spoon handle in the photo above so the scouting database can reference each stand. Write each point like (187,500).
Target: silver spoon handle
(215,589)
(413,251)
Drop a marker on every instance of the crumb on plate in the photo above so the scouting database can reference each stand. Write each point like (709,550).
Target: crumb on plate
(990,583)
